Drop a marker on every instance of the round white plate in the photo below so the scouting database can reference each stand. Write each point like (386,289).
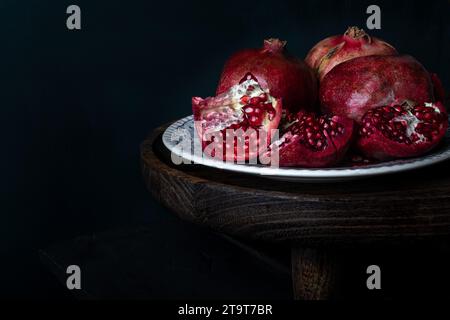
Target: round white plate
(181,133)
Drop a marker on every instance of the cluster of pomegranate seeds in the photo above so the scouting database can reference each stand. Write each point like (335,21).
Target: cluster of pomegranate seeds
(255,106)
(255,109)
(311,130)
(404,124)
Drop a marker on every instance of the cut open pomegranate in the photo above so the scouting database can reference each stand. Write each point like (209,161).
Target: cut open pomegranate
(286,76)
(237,125)
(402,130)
(312,141)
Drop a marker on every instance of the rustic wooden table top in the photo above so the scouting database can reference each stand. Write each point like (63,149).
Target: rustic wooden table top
(406,206)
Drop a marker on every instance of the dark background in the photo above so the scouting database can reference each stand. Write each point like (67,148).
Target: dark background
(75,105)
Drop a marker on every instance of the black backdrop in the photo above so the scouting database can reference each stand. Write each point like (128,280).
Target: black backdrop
(76,104)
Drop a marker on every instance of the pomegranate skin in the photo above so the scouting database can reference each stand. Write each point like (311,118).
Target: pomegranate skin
(355,42)
(439,90)
(285,76)
(353,87)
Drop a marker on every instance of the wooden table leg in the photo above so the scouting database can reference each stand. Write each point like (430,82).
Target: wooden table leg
(314,273)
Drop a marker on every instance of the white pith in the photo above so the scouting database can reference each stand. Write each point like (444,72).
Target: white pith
(431,105)
(412,122)
(239,90)
(233,109)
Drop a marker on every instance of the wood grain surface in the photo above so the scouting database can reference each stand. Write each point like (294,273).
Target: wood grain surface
(400,207)
(314,273)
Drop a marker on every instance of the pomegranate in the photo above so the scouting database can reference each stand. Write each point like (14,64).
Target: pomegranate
(334,50)
(358,85)
(237,124)
(312,141)
(285,76)
(439,91)
(402,130)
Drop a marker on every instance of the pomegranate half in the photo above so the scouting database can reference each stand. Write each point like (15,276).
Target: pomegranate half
(312,141)
(237,125)
(402,130)
(334,50)
(287,77)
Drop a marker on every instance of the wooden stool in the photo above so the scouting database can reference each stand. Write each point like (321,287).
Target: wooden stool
(312,218)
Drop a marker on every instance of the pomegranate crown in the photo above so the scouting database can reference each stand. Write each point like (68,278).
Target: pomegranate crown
(357,33)
(274,45)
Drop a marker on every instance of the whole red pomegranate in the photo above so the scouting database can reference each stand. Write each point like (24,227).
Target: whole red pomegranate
(358,85)
(402,130)
(312,141)
(285,76)
(334,50)
(237,125)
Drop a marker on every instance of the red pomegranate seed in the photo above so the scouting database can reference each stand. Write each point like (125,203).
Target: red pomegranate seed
(244,99)
(255,100)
